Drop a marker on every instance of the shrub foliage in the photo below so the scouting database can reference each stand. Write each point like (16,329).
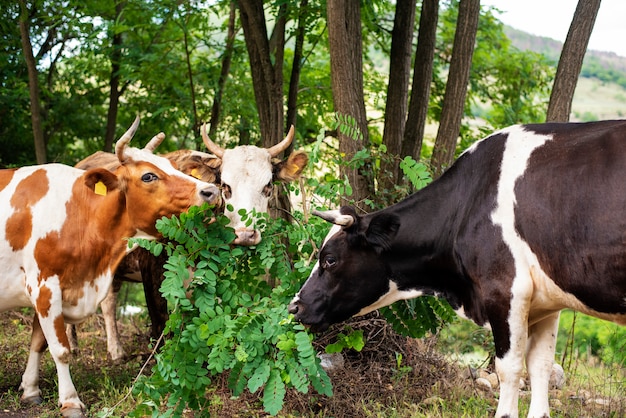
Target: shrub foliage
(229,308)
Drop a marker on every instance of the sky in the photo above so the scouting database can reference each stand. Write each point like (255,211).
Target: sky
(551,18)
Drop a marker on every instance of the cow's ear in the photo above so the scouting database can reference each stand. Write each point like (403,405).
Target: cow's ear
(199,170)
(381,231)
(101,181)
(292,167)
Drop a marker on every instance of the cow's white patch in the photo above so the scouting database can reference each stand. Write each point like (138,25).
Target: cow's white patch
(393,295)
(519,146)
(476,144)
(246,170)
(92,295)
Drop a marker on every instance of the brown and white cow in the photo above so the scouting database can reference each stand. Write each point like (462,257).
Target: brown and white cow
(246,174)
(527,222)
(63,231)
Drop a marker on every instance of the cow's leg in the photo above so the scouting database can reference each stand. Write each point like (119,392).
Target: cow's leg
(152,274)
(53,327)
(70,330)
(30,378)
(539,361)
(510,362)
(109,306)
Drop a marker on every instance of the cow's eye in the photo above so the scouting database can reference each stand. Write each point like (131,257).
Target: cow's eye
(329,261)
(149,177)
(267,190)
(226,190)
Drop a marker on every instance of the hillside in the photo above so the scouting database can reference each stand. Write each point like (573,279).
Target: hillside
(601,89)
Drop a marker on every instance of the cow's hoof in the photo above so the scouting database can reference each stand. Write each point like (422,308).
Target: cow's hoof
(73,413)
(33,400)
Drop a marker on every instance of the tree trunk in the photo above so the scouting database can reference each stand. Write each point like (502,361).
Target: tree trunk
(571,60)
(296,68)
(226,60)
(397,92)
(267,78)
(456,86)
(33,87)
(114,82)
(192,89)
(422,79)
(346,73)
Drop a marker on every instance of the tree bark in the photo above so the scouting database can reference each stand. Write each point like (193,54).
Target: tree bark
(267,78)
(571,61)
(346,73)
(397,91)
(33,86)
(456,86)
(422,79)
(296,69)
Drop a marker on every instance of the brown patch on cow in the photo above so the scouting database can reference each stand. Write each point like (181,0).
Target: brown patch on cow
(44,301)
(6,176)
(19,226)
(30,190)
(59,330)
(87,243)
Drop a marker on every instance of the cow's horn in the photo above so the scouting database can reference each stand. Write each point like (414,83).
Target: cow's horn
(336,217)
(121,143)
(211,146)
(154,142)
(282,145)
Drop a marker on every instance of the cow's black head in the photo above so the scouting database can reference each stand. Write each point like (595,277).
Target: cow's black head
(350,277)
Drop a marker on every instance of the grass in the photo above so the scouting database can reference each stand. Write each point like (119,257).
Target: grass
(595,100)
(423,382)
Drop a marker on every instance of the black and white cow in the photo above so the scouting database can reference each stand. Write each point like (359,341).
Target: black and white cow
(527,222)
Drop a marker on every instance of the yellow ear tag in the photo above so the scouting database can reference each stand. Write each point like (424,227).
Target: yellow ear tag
(100,189)
(195,173)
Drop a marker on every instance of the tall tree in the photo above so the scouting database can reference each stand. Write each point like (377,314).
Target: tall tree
(33,85)
(346,73)
(571,60)
(397,91)
(456,86)
(114,79)
(296,66)
(422,79)
(266,66)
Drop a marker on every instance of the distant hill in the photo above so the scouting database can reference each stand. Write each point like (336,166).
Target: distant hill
(601,89)
(606,66)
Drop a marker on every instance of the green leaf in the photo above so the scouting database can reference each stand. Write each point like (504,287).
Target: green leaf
(259,377)
(274,393)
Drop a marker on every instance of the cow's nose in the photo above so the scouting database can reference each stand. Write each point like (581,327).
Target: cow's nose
(246,236)
(293,308)
(210,194)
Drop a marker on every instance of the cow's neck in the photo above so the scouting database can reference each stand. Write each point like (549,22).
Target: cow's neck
(423,255)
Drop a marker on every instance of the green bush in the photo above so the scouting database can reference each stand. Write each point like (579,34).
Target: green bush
(581,335)
(226,317)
